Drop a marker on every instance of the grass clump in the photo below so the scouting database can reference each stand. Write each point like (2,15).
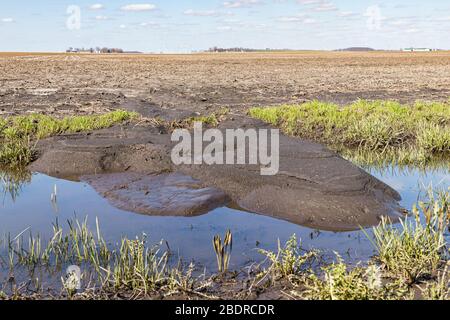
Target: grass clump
(340,283)
(290,260)
(130,268)
(417,249)
(439,289)
(223,250)
(211,120)
(409,134)
(19,134)
(411,262)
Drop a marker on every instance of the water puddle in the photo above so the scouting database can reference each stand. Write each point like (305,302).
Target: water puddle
(31,205)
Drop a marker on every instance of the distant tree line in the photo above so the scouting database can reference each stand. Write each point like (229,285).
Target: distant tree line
(357,49)
(95,50)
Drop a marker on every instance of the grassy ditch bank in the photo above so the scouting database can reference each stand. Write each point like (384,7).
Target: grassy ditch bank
(19,134)
(380,131)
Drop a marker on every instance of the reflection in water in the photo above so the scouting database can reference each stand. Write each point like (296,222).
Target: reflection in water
(388,160)
(413,183)
(32,201)
(11,182)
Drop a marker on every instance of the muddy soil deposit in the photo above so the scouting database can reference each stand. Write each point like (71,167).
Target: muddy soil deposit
(315,187)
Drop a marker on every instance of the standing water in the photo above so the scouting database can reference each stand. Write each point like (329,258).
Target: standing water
(41,200)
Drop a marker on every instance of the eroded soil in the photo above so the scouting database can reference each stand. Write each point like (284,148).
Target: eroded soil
(315,187)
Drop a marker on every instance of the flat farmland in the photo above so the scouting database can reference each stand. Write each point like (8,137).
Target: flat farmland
(62,84)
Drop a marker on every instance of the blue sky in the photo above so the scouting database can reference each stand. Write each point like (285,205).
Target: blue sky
(184,26)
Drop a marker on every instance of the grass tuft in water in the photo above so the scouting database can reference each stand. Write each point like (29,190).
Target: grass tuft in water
(414,252)
(339,282)
(290,260)
(417,249)
(223,250)
(405,134)
(131,267)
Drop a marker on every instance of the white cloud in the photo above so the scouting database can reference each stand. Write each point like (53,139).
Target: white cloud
(101,18)
(97,6)
(346,14)
(139,7)
(295,18)
(309,1)
(241,3)
(8,20)
(300,18)
(224,28)
(122,26)
(201,13)
(309,21)
(290,19)
(400,22)
(149,24)
(319,5)
(325,6)
(233,20)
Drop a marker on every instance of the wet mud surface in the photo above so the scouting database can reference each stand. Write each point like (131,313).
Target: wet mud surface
(315,187)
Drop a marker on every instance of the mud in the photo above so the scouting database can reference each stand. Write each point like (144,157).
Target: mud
(315,187)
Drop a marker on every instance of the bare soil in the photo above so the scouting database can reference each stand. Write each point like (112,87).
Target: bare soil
(156,84)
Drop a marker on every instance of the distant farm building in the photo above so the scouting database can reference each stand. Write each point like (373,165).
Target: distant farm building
(417,49)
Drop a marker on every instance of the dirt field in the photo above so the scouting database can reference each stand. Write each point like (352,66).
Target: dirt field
(155,84)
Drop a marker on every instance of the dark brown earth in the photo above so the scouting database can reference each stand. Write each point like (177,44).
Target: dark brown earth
(315,187)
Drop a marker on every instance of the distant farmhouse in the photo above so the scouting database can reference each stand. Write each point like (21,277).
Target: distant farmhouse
(418,49)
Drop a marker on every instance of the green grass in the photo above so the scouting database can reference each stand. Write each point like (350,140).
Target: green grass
(438,289)
(411,261)
(418,249)
(290,260)
(339,282)
(407,134)
(131,266)
(210,120)
(19,134)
